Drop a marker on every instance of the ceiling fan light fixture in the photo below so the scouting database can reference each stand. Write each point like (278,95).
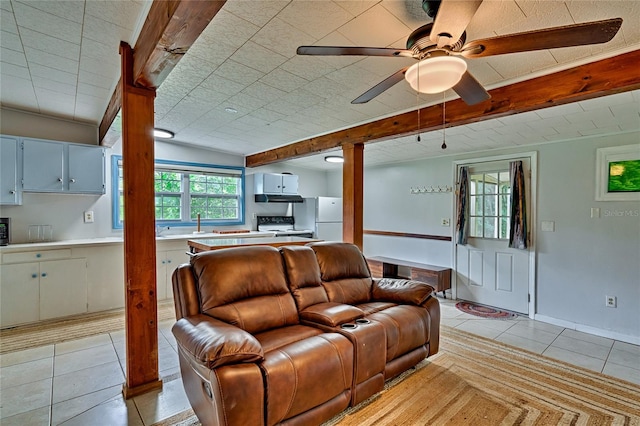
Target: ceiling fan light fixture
(435,75)
(163,134)
(334,159)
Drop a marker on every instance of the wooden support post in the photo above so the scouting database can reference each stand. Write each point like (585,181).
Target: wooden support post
(352,193)
(139,233)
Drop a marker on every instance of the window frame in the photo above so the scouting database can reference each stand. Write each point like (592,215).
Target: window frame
(184,168)
(483,195)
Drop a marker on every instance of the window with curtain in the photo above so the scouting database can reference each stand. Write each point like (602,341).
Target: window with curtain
(489,204)
(185,190)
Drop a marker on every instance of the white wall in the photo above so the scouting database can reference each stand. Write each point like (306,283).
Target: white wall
(577,265)
(26,124)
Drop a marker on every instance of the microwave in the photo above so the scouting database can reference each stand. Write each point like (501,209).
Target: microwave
(4,230)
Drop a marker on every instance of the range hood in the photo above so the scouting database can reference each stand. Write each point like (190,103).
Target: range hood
(278,198)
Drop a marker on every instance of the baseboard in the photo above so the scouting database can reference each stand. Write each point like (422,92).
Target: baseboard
(635,340)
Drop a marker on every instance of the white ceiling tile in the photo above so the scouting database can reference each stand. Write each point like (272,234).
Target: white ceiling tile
(409,13)
(99,30)
(630,126)
(264,92)
(356,7)
(10,41)
(364,30)
(51,45)
(559,110)
(518,64)
(208,97)
(267,115)
(52,61)
(16,91)
(325,88)
(69,10)
(308,67)
(239,73)
(384,67)
(124,13)
(45,83)
(13,57)
(34,19)
(214,53)
(245,103)
(283,80)
(6,6)
(337,39)
(110,70)
(87,112)
(591,115)
(625,110)
(93,79)
(52,74)
(14,71)
(247,10)
(7,20)
(227,28)
(282,37)
(255,56)
(316,18)
(607,101)
(97,92)
(52,101)
(106,51)
(222,85)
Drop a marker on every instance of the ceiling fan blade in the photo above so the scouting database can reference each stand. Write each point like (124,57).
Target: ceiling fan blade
(470,90)
(352,50)
(385,84)
(551,38)
(452,19)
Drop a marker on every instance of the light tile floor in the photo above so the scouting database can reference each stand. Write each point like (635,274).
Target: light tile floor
(80,382)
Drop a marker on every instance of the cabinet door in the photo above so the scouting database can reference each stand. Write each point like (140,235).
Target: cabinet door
(272,183)
(174,259)
(105,277)
(43,166)
(86,169)
(19,294)
(9,190)
(63,288)
(161,275)
(289,184)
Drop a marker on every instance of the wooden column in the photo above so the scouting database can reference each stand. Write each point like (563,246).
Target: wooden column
(139,233)
(352,193)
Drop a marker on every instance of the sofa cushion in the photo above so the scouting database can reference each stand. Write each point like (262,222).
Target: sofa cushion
(246,287)
(303,274)
(407,328)
(331,314)
(279,337)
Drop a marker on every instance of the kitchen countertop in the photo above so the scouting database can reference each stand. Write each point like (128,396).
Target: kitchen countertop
(119,240)
(220,243)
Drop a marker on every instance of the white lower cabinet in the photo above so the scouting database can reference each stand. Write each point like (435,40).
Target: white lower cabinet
(105,277)
(42,290)
(63,288)
(167,262)
(20,294)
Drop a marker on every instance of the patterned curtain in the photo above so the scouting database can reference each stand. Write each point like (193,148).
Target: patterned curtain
(518,228)
(462,223)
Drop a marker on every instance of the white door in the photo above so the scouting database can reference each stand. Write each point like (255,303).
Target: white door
(487,270)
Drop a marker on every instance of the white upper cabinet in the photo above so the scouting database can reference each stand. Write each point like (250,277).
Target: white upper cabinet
(50,166)
(276,183)
(10,172)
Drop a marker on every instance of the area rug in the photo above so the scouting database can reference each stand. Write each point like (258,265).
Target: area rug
(481,382)
(57,331)
(484,311)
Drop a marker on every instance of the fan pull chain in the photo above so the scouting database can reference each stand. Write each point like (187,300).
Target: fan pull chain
(444,137)
(418,103)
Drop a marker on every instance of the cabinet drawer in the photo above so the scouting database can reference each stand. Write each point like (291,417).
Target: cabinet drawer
(31,256)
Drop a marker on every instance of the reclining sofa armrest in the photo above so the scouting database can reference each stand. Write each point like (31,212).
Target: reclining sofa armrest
(215,343)
(330,313)
(401,291)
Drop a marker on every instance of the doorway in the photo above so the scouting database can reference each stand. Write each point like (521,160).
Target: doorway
(487,271)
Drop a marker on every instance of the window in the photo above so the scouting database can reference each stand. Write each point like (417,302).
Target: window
(185,190)
(489,204)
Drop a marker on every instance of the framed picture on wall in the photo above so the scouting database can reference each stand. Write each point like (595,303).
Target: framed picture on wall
(618,173)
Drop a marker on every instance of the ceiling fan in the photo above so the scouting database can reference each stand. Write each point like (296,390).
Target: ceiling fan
(439,46)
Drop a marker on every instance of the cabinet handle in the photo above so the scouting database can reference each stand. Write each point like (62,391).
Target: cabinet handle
(59,179)
(168,261)
(12,192)
(34,275)
(163,262)
(38,255)
(44,274)
(72,180)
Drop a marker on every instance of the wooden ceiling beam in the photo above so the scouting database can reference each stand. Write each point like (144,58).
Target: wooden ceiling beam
(605,77)
(171,27)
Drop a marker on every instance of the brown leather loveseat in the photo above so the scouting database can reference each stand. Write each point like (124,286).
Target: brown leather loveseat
(296,335)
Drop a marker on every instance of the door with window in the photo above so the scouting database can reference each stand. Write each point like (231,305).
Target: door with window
(487,270)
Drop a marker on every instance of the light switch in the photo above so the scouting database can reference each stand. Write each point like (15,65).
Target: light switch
(548,226)
(595,212)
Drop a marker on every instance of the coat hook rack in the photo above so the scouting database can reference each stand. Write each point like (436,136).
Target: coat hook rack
(430,189)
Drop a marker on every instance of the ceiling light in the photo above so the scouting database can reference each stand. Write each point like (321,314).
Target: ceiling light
(231,110)
(333,159)
(435,75)
(163,134)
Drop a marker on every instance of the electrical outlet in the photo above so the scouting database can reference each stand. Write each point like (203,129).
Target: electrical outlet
(611,301)
(88,216)
(444,221)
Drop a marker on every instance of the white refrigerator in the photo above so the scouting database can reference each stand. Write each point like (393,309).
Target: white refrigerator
(323,215)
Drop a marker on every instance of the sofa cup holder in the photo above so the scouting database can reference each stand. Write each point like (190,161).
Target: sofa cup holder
(349,326)
(362,321)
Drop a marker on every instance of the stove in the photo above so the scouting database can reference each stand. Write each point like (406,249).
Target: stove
(282,226)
